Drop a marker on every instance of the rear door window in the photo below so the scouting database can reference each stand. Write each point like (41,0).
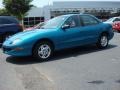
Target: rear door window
(8,20)
(88,20)
(5,21)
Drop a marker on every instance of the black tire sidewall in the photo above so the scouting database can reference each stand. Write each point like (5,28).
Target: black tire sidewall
(99,42)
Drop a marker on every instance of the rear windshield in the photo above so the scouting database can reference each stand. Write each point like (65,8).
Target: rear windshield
(8,20)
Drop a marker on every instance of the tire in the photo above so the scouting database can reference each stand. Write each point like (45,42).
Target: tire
(103,41)
(43,51)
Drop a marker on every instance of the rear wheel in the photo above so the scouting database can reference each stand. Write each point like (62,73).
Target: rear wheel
(43,50)
(103,41)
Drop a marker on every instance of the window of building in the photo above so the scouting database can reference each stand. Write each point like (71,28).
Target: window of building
(31,21)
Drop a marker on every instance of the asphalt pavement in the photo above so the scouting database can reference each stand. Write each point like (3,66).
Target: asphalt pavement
(81,68)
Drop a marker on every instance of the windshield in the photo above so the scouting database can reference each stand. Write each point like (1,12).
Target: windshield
(54,23)
(39,25)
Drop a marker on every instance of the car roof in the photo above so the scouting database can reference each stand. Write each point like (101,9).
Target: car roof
(7,16)
(116,22)
(77,14)
(114,17)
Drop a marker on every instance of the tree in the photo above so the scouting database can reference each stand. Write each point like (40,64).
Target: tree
(18,8)
(4,12)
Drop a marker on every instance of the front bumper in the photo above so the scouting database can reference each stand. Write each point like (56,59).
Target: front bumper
(17,51)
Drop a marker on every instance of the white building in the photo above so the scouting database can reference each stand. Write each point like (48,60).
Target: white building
(101,9)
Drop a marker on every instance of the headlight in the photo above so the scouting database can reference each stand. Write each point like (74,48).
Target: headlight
(16,41)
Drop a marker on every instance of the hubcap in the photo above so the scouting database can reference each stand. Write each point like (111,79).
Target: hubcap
(104,41)
(44,51)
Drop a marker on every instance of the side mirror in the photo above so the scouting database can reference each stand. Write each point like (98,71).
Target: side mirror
(65,26)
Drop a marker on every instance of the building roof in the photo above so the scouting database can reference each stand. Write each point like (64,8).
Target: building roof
(86,4)
(45,11)
(35,12)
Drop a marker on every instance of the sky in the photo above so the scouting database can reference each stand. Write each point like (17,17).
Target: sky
(41,3)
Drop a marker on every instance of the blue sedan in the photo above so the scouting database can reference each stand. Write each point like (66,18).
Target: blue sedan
(59,33)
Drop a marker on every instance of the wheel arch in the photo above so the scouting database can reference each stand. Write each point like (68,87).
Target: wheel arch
(105,32)
(99,40)
(44,40)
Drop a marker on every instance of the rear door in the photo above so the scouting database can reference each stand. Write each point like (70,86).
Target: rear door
(90,29)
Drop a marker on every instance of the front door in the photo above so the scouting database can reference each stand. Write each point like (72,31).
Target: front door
(71,36)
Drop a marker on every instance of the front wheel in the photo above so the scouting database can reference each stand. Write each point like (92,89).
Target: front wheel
(103,41)
(43,50)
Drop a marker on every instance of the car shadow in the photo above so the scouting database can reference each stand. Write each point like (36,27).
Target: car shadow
(74,52)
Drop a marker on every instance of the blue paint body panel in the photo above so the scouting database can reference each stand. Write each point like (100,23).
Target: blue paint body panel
(61,39)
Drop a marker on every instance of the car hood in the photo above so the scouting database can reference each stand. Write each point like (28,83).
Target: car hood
(30,33)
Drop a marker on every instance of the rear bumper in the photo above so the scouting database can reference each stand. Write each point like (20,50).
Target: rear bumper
(116,29)
(111,34)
